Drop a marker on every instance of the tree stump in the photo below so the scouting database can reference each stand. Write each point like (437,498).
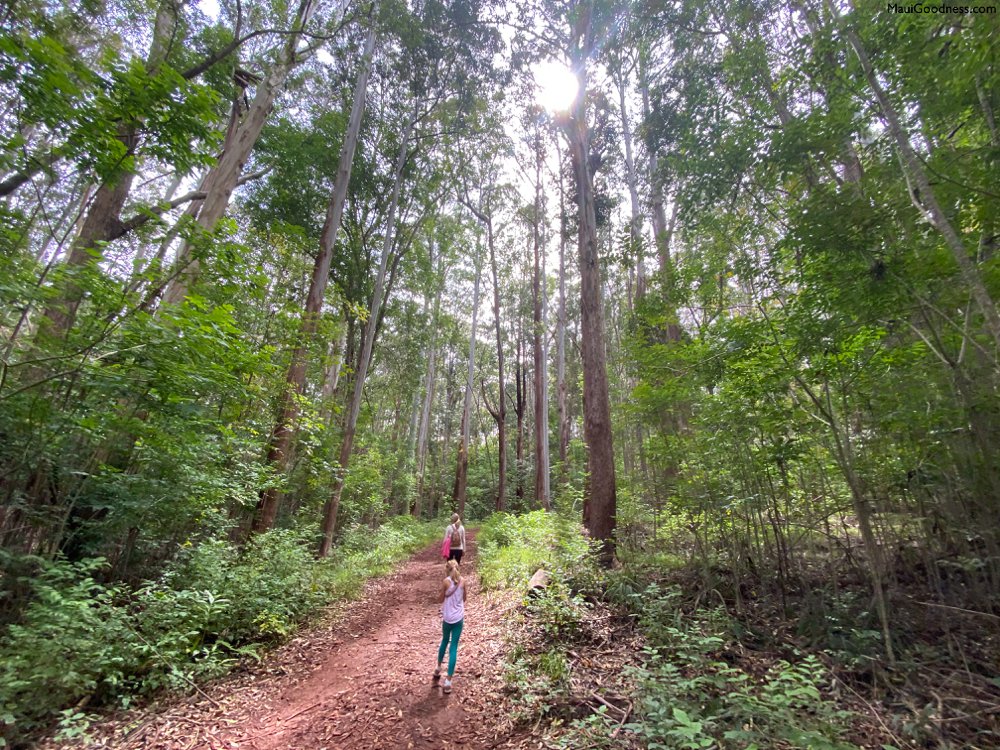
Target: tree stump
(538,582)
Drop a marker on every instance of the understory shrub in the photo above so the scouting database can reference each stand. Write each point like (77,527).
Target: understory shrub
(82,642)
(695,691)
(693,686)
(511,548)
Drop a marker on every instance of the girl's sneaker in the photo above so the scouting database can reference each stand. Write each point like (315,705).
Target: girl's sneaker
(447,685)
(436,676)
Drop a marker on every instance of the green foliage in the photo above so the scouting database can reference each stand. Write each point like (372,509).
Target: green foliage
(82,639)
(512,548)
(722,706)
(364,488)
(830,359)
(74,725)
(557,611)
(692,698)
(73,641)
(59,89)
(534,682)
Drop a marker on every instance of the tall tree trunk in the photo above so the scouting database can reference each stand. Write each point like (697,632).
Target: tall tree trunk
(561,388)
(538,333)
(221,180)
(295,378)
(408,447)
(425,415)
(354,409)
(631,178)
(546,455)
(404,456)
(424,432)
(462,469)
(520,402)
(441,454)
(601,497)
(635,231)
(662,229)
(500,413)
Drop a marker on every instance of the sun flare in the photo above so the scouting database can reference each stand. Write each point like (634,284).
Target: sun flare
(557,86)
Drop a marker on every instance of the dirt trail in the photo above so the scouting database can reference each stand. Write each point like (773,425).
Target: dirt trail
(375,689)
(361,682)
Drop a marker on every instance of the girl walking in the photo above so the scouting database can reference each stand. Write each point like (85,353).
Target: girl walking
(453,595)
(456,532)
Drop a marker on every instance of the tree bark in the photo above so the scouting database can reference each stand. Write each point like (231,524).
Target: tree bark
(351,422)
(601,498)
(538,333)
(425,414)
(221,180)
(520,402)
(500,413)
(281,435)
(662,229)
(561,388)
(462,469)
(545,452)
(631,178)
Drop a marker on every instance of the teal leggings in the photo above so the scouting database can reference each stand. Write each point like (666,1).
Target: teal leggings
(452,630)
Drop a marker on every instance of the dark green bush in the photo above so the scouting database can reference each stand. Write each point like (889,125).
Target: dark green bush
(74,641)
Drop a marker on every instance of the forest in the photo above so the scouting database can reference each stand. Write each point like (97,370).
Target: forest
(692,305)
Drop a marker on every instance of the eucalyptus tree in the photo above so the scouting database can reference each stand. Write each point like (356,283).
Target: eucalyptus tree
(562,388)
(440,265)
(582,24)
(459,489)
(281,436)
(623,60)
(246,122)
(440,48)
(538,323)
(484,196)
(530,159)
(572,32)
(368,336)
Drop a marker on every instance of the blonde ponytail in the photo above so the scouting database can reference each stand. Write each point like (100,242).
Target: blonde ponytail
(452,568)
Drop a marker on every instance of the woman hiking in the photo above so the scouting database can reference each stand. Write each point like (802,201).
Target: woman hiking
(456,533)
(453,595)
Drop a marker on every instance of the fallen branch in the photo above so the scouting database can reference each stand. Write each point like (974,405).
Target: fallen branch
(628,712)
(871,708)
(606,703)
(300,712)
(959,609)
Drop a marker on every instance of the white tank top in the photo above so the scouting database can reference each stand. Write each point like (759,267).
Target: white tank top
(453,608)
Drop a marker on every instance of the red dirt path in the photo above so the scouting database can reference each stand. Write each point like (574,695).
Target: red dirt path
(363,681)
